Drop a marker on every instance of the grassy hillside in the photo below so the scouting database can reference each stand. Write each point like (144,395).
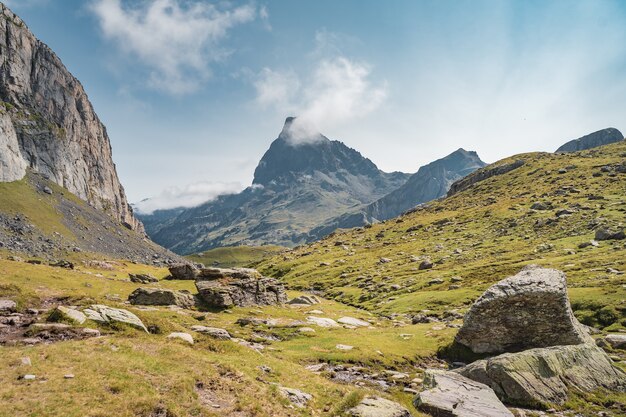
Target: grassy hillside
(480,236)
(235,256)
(39,219)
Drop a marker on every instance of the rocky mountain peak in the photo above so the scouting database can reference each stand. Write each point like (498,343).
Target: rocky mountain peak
(48,125)
(592,140)
(291,156)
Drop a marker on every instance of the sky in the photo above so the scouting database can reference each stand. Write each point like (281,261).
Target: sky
(193,92)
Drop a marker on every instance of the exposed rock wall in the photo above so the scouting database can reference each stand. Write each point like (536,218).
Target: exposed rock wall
(58,133)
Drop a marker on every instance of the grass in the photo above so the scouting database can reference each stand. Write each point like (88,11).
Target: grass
(235,256)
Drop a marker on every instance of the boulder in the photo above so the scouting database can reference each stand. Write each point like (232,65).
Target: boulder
(351,321)
(142,278)
(298,398)
(186,337)
(62,313)
(605,233)
(213,332)
(322,321)
(105,314)
(616,341)
(528,310)
(306,300)
(223,288)
(448,394)
(545,376)
(7,306)
(183,271)
(378,407)
(161,297)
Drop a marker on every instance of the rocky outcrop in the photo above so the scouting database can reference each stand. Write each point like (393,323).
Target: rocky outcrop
(214,332)
(304,300)
(46,113)
(483,174)
(161,297)
(142,278)
(378,407)
(528,310)
(448,394)
(592,140)
(545,376)
(223,288)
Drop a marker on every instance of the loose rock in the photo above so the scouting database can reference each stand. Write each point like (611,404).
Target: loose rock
(161,297)
(378,407)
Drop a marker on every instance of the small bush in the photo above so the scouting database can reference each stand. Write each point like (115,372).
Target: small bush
(607,316)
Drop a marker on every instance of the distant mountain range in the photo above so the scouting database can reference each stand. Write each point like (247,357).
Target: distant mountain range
(302,190)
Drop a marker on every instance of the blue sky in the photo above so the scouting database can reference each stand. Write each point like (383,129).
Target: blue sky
(192,92)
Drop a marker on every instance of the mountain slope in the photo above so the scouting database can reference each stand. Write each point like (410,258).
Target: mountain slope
(592,140)
(445,253)
(47,124)
(296,187)
(428,183)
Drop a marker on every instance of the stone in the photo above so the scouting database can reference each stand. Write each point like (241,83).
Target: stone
(214,332)
(72,315)
(224,288)
(351,321)
(540,206)
(344,347)
(545,376)
(142,278)
(435,281)
(298,398)
(306,300)
(105,314)
(322,322)
(8,306)
(68,376)
(604,233)
(378,407)
(29,377)
(161,297)
(183,271)
(425,265)
(449,394)
(186,337)
(528,310)
(306,330)
(616,341)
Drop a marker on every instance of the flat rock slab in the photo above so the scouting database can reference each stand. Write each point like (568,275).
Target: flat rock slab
(62,313)
(351,321)
(105,314)
(616,341)
(546,375)
(322,321)
(186,337)
(304,300)
(213,332)
(525,311)
(448,394)
(298,398)
(8,306)
(161,297)
(378,407)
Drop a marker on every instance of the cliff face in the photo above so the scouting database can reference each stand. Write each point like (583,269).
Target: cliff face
(48,125)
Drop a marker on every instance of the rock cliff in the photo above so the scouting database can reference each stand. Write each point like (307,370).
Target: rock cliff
(48,125)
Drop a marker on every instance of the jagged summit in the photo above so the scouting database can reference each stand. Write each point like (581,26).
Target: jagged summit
(289,157)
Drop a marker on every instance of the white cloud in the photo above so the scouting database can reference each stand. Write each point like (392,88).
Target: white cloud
(337,91)
(190,196)
(176,40)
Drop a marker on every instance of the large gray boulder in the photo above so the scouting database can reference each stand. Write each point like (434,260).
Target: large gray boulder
(223,288)
(105,314)
(183,271)
(545,376)
(528,310)
(592,140)
(378,407)
(449,394)
(161,297)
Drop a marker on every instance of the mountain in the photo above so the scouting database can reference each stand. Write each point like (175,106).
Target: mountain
(592,140)
(430,182)
(48,125)
(298,185)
